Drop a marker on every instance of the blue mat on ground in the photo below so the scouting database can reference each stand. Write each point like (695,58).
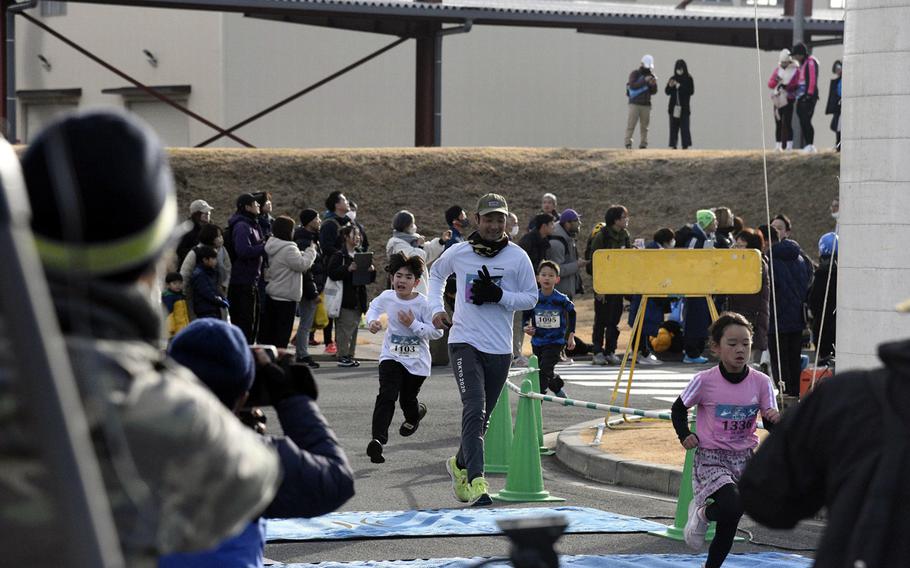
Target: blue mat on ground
(757,560)
(447,522)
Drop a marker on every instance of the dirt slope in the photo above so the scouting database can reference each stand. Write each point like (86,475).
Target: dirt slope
(660,188)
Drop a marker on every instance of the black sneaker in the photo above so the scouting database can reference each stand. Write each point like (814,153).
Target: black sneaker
(346,362)
(483,501)
(374,450)
(407,428)
(308,361)
(356,362)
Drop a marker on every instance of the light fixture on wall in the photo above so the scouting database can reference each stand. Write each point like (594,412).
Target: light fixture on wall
(44,62)
(150,57)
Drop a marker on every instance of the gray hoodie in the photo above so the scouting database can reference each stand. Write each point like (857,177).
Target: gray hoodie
(287,264)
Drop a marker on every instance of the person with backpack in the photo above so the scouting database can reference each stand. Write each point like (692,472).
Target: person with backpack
(680,89)
(247,248)
(641,85)
(608,307)
(307,235)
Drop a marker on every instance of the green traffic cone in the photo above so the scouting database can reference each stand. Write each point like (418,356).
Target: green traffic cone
(534,375)
(676,532)
(497,443)
(524,481)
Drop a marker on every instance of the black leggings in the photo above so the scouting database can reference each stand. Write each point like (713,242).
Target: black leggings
(783,126)
(726,510)
(805,108)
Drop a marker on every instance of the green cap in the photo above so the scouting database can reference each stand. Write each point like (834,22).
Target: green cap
(492,203)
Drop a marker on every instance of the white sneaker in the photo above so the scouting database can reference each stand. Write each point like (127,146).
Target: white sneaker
(778,147)
(809,149)
(790,145)
(649,359)
(696,527)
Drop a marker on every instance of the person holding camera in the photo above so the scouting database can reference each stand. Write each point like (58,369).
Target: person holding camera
(641,85)
(316,476)
(680,89)
(180,472)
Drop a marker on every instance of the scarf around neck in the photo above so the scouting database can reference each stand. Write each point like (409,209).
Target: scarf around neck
(486,248)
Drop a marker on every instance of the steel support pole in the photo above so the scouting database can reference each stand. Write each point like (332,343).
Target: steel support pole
(425,100)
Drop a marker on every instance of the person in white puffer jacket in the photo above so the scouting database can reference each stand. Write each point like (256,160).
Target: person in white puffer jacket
(287,264)
(405,239)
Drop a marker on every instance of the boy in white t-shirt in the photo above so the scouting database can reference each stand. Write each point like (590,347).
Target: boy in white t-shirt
(405,359)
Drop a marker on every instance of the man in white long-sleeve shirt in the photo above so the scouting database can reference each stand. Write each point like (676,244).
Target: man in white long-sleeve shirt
(495,279)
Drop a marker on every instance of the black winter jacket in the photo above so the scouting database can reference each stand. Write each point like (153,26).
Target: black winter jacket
(536,247)
(845,447)
(314,278)
(352,297)
(682,92)
(791,285)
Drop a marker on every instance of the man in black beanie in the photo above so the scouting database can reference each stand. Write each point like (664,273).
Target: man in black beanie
(180,471)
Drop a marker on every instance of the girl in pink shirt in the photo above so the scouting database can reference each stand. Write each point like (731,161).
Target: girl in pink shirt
(729,398)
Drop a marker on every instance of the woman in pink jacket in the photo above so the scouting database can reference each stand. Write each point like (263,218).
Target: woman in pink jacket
(783,83)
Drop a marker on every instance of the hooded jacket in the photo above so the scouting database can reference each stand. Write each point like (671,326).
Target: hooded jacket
(429,252)
(843,448)
(791,284)
(683,91)
(564,252)
(249,248)
(287,264)
(197,474)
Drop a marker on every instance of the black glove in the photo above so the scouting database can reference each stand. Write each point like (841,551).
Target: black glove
(484,290)
(275,383)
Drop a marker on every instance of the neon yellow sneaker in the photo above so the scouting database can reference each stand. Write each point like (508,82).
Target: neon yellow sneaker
(459,480)
(479,493)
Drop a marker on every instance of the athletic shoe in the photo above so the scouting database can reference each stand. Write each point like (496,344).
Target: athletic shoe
(479,493)
(649,359)
(810,149)
(356,362)
(374,450)
(407,428)
(331,348)
(520,361)
(695,360)
(613,359)
(599,359)
(346,362)
(561,393)
(696,527)
(459,480)
(308,361)
(565,359)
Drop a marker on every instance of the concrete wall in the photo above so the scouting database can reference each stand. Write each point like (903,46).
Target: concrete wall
(187,45)
(501,86)
(874,268)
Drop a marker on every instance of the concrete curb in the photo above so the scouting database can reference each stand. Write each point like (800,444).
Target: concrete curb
(592,463)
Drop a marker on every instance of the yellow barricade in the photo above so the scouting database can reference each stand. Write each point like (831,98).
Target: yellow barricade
(662,272)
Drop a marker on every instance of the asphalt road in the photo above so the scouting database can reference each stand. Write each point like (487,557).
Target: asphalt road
(414,477)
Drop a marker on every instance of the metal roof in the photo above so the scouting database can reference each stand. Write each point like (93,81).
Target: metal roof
(723,25)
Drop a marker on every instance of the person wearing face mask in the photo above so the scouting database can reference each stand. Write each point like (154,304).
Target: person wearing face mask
(458,222)
(783,83)
(407,240)
(680,89)
(352,215)
(512,229)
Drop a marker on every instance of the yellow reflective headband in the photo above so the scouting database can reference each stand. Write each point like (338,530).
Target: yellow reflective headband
(110,257)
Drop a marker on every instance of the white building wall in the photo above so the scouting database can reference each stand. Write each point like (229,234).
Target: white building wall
(501,86)
(186,43)
(874,266)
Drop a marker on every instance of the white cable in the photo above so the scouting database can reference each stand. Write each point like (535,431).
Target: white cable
(764,159)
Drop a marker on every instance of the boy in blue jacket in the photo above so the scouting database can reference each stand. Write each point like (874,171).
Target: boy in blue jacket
(551,325)
(207,300)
